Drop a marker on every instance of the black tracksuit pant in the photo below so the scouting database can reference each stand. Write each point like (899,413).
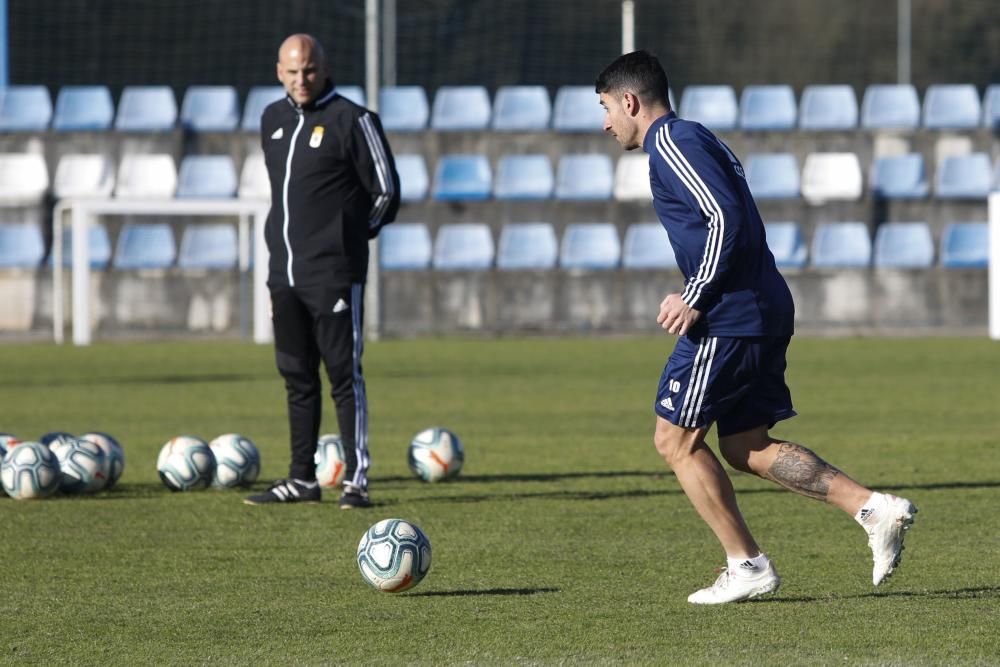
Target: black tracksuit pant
(313,324)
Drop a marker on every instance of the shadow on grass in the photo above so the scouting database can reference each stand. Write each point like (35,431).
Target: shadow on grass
(148,379)
(541,477)
(975,593)
(486,591)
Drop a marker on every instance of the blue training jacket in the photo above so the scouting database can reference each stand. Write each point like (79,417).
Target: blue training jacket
(701,197)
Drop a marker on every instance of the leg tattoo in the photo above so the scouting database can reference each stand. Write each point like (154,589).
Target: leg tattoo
(800,470)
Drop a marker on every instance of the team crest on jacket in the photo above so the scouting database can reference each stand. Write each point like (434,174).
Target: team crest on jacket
(317,137)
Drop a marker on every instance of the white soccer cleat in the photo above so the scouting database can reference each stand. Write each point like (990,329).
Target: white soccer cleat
(885,536)
(736,585)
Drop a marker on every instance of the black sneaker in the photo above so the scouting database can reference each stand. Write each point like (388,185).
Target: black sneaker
(354,498)
(286,491)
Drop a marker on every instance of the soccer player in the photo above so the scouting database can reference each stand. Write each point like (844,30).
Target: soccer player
(733,319)
(333,186)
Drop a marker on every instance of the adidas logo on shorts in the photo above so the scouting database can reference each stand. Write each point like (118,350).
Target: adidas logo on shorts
(667,404)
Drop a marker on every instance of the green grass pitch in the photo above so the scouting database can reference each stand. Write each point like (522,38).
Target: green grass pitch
(564,541)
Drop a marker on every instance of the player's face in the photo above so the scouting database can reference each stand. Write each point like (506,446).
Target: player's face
(618,123)
(301,73)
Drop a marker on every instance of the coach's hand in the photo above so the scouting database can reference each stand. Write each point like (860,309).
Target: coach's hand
(675,316)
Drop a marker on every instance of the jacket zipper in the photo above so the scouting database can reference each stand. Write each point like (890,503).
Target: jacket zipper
(284,195)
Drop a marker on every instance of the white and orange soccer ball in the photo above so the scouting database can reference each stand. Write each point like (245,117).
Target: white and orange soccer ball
(237,461)
(186,463)
(114,456)
(83,465)
(29,470)
(436,454)
(330,460)
(394,555)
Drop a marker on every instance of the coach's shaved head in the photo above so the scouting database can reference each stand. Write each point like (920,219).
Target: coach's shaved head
(302,67)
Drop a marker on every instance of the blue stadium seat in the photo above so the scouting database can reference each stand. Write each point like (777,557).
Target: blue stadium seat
(584,176)
(991,107)
(355,94)
(951,106)
(464,246)
(146,109)
(403,108)
(773,175)
(904,245)
(21,246)
(207,176)
(208,246)
(577,109)
(98,246)
(841,245)
(965,245)
(647,246)
(591,246)
(210,109)
(413,179)
(145,246)
(462,177)
(900,177)
(257,100)
(524,177)
(25,108)
(404,246)
(521,108)
(768,108)
(83,108)
(461,108)
(890,106)
(827,107)
(527,246)
(963,177)
(713,106)
(786,244)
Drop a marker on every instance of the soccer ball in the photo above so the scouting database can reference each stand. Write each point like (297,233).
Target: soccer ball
(435,454)
(30,470)
(330,460)
(186,463)
(114,456)
(6,442)
(83,465)
(55,437)
(237,461)
(394,555)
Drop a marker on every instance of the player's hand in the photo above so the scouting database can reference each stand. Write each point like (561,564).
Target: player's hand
(676,317)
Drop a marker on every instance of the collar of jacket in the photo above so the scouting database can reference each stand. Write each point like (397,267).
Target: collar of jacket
(327,94)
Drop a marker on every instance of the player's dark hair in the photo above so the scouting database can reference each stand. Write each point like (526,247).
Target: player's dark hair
(638,72)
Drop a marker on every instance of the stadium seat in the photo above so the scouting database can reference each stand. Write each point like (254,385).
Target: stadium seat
(841,245)
(524,177)
(145,246)
(827,107)
(461,108)
(527,246)
(773,175)
(632,178)
(211,176)
(584,176)
(577,109)
(257,100)
(965,245)
(21,246)
(405,246)
(98,246)
(84,176)
(991,107)
(786,244)
(254,182)
(831,176)
(521,108)
(713,106)
(963,177)
(83,109)
(647,246)
(25,108)
(355,94)
(403,108)
(462,177)
(210,109)
(466,246)
(768,108)
(146,109)
(900,177)
(952,106)
(146,175)
(208,246)
(890,106)
(904,245)
(413,179)
(591,246)
(24,179)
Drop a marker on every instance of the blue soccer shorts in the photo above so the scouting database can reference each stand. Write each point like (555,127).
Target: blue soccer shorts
(738,383)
